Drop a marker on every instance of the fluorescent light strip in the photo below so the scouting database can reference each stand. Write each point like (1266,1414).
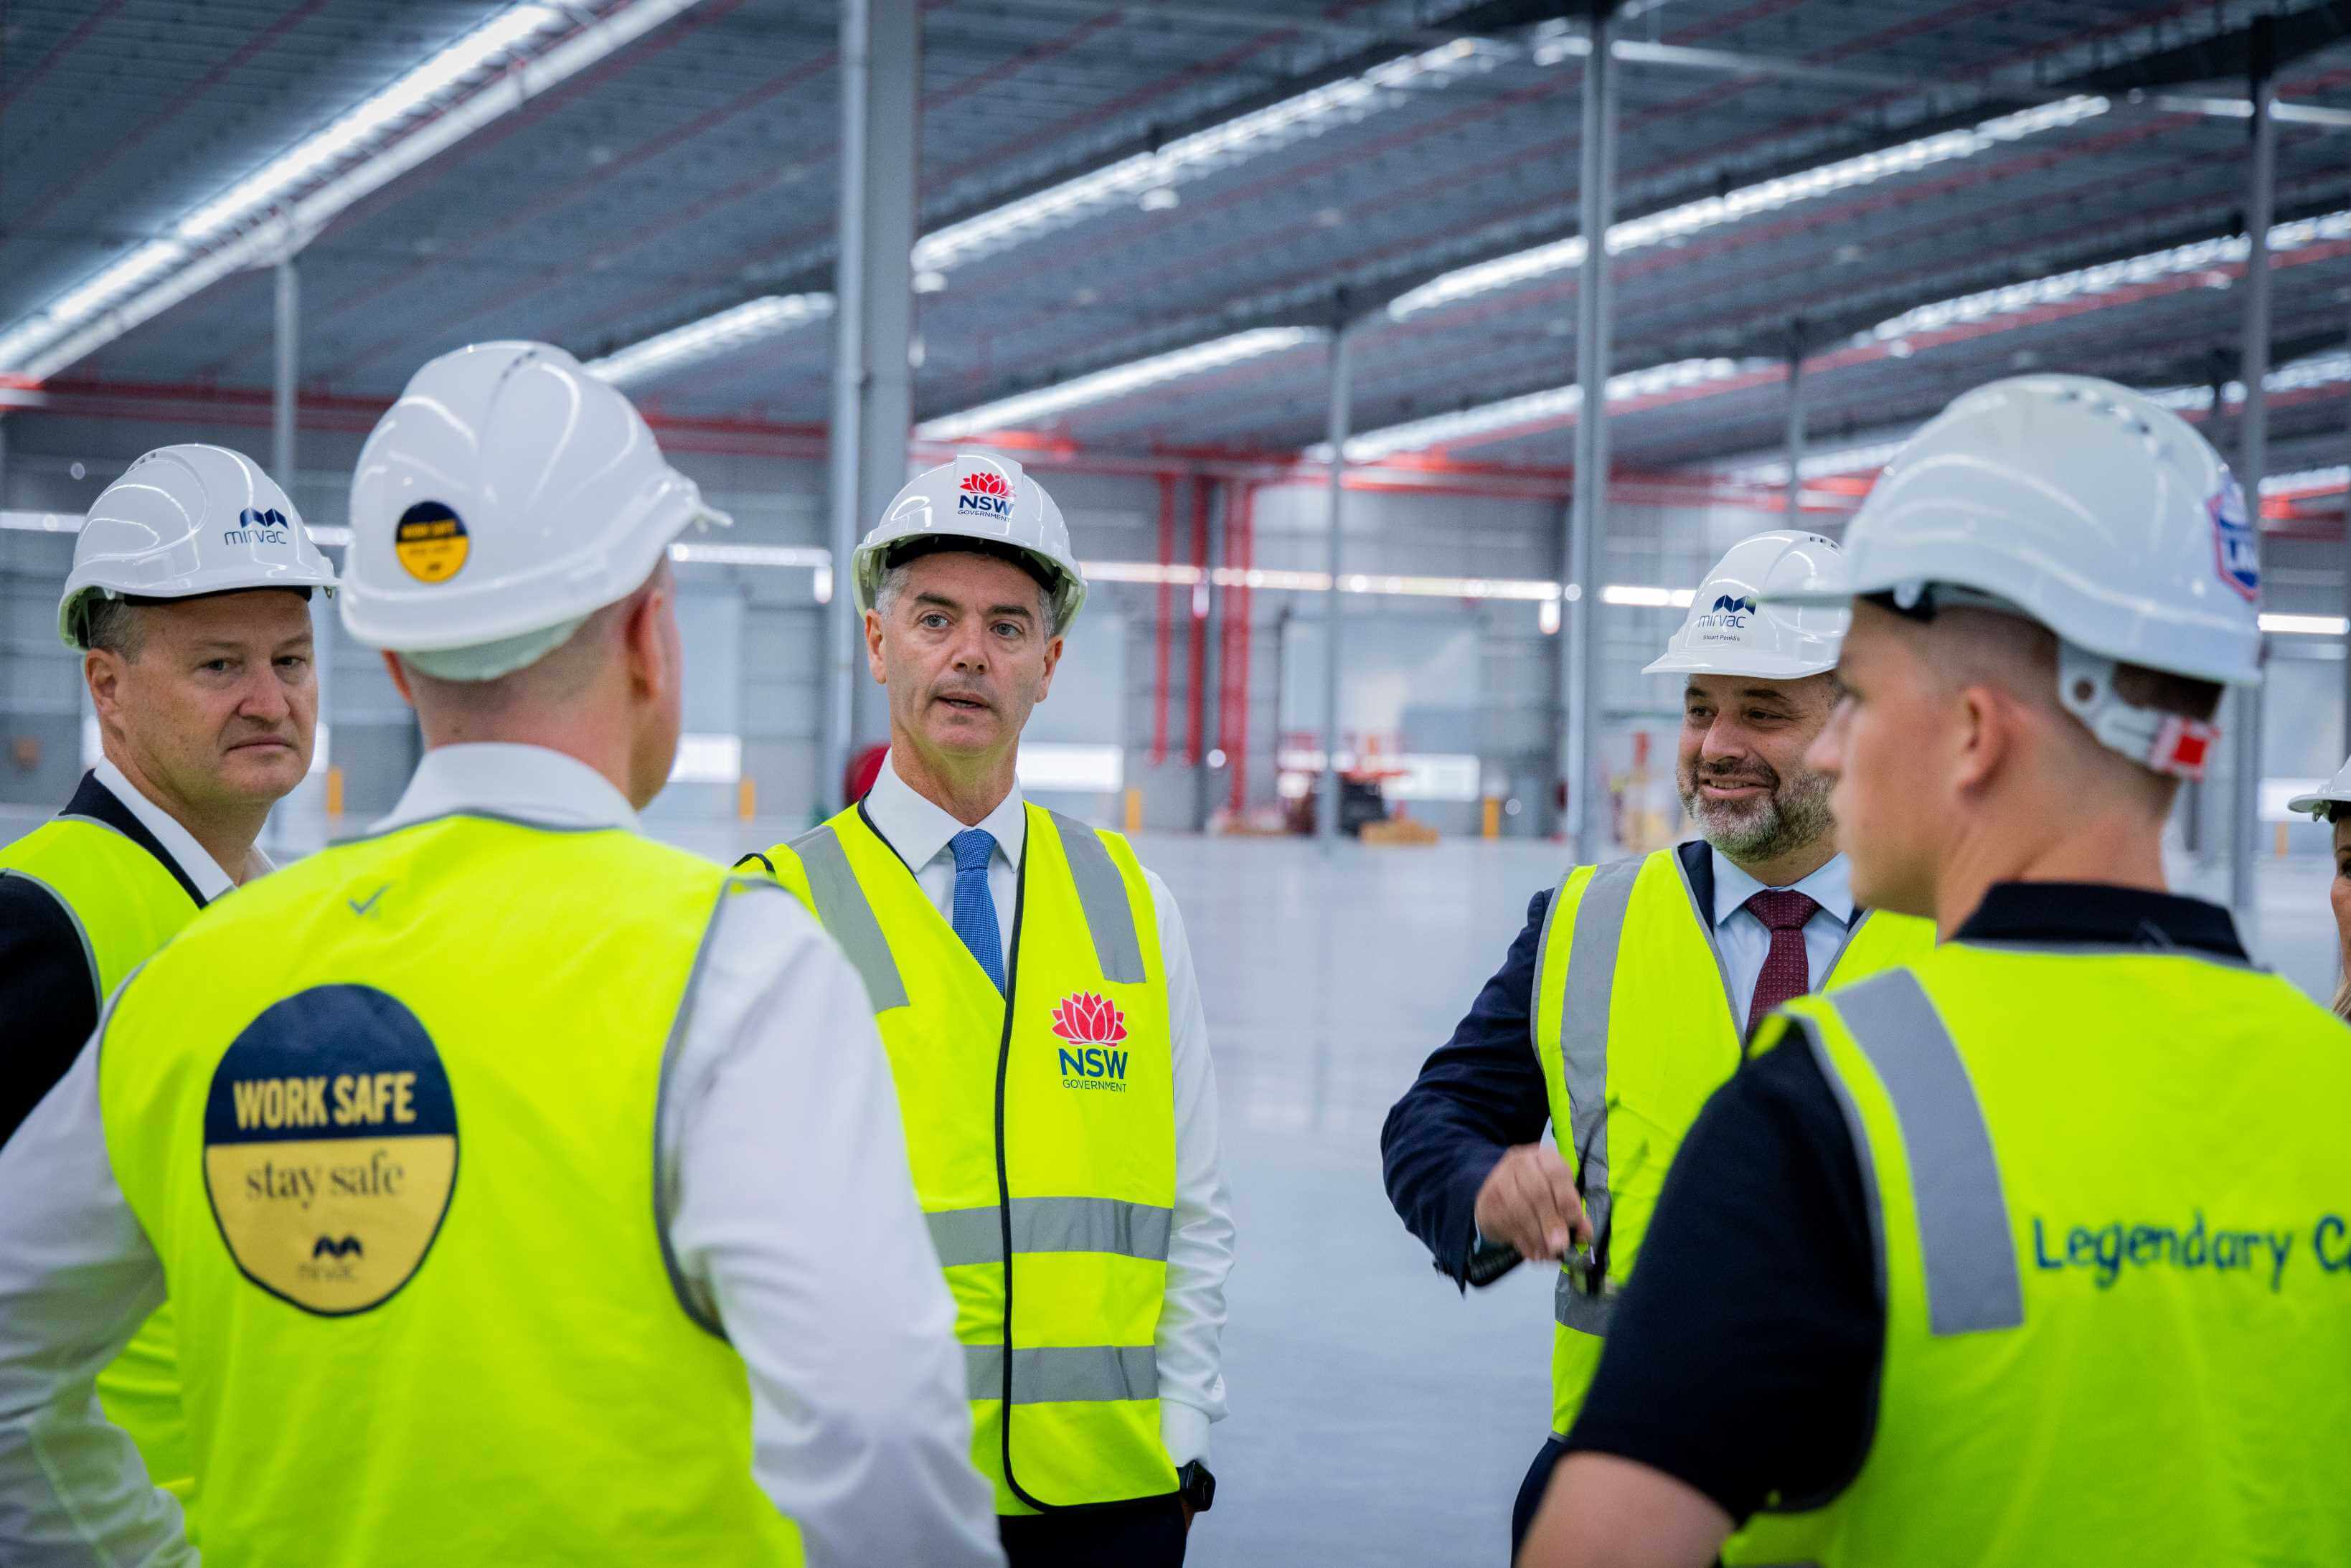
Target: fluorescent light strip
(1103,386)
(1203,152)
(1533,408)
(482,77)
(754,320)
(804,556)
(1769,195)
(2305,625)
(2198,255)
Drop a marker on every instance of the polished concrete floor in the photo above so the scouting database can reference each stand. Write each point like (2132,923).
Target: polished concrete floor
(1378,1417)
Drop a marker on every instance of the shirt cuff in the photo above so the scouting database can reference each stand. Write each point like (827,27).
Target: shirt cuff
(1183,1431)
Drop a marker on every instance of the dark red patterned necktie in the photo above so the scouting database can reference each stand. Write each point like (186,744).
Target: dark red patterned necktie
(1786,972)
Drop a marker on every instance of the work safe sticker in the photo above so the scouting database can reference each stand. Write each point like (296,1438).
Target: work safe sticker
(430,542)
(330,1148)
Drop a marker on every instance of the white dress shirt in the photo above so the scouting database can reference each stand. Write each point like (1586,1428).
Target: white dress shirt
(1745,941)
(177,841)
(795,1221)
(1200,1248)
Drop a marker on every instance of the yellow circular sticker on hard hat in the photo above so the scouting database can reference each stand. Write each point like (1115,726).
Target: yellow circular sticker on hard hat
(330,1148)
(430,542)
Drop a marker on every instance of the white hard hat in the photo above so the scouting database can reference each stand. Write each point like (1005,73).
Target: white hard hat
(1735,627)
(2337,792)
(2091,509)
(987,503)
(182,521)
(507,496)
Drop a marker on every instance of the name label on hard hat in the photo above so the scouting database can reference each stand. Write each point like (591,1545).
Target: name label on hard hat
(430,542)
(330,1148)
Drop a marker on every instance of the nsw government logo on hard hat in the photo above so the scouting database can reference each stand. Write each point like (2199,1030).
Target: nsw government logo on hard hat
(2236,544)
(1094,1027)
(985,493)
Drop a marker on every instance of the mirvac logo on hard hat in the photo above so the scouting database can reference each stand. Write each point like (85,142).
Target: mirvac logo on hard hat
(984,494)
(255,527)
(430,542)
(1730,614)
(2236,546)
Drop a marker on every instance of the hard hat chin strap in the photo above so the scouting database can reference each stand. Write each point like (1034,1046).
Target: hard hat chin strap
(2169,743)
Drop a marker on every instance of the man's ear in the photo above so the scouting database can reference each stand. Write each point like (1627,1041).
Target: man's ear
(873,648)
(102,670)
(1052,662)
(399,674)
(1989,723)
(652,671)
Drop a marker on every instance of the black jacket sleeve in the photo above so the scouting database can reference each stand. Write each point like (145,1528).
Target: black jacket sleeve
(1742,1359)
(1479,1095)
(48,1003)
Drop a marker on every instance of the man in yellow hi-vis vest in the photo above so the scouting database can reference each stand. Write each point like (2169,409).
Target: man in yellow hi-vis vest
(187,602)
(1037,998)
(1627,999)
(508,1171)
(2034,1250)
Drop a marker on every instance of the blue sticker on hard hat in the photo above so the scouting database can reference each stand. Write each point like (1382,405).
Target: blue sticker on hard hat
(2236,544)
(330,1148)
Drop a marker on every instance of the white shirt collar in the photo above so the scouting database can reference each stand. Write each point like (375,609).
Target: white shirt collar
(526,781)
(919,828)
(1831,887)
(178,842)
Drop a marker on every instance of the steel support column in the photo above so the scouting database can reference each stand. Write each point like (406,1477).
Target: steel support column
(873,308)
(2343,554)
(2252,458)
(1343,392)
(1795,424)
(1579,635)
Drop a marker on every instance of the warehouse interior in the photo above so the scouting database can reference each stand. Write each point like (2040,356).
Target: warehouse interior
(1290,307)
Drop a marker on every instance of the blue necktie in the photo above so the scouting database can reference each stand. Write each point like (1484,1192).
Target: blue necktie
(975,911)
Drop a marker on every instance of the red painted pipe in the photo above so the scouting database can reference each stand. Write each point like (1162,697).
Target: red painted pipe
(1162,632)
(1195,689)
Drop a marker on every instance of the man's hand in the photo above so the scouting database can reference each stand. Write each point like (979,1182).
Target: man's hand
(1530,1202)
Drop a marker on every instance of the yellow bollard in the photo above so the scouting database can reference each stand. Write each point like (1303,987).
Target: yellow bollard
(1134,810)
(746,798)
(1493,818)
(334,791)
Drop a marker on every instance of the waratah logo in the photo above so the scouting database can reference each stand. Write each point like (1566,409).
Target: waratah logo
(1724,602)
(1091,1024)
(988,495)
(1086,1018)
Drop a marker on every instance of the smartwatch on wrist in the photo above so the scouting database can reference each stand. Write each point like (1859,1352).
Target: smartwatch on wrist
(1196,1486)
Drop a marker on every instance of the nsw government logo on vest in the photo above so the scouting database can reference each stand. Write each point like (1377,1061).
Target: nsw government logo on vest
(1094,1028)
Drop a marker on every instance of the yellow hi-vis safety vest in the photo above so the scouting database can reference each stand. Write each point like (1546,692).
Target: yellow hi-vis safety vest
(1637,1028)
(124,904)
(1040,1125)
(2111,1195)
(388,1117)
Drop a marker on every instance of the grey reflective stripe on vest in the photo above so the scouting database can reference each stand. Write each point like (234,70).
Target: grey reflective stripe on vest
(846,913)
(1963,1229)
(1052,1225)
(1065,1375)
(1583,1027)
(1575,1309)
(1102,893)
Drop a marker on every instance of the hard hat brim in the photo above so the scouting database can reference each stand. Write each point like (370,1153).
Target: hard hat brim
(1759,668)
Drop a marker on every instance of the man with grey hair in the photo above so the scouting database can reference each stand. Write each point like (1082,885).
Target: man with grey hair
(1037,997)
(1628,997)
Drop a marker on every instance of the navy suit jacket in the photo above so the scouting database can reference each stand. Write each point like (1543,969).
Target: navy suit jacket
(1481,1093)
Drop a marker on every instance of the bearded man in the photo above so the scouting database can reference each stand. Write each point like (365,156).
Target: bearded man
(1627,998)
